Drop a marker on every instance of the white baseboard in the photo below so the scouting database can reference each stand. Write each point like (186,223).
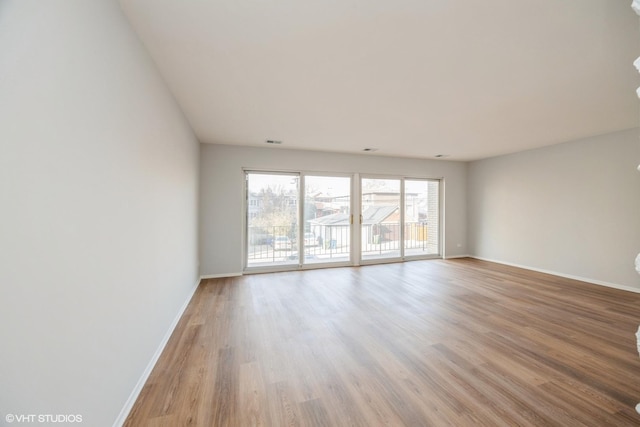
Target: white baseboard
(457,256)
(152,363)
(218,276)
(567,276)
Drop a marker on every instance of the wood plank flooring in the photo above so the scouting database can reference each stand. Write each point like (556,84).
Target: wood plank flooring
(425,343)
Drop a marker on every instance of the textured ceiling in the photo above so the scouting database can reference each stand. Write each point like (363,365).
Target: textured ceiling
(412,78)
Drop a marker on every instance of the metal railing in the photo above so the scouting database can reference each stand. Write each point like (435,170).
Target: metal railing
(378,239)
(279,244)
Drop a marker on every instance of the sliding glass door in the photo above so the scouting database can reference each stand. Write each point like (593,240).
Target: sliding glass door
(327,219)
(295,220)
(400,218)
(380,221)
(421,217)
(272,219)
(276,237)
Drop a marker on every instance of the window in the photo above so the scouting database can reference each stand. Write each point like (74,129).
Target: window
(298,219)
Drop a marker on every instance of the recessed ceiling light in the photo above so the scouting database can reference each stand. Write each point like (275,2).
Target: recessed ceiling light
(369,150)
(441,156)
(273,141)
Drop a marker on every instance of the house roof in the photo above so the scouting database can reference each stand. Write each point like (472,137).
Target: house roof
(377,214)
(371,215)
(333,219)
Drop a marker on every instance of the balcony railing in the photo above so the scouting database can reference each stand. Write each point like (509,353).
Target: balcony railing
(279,244)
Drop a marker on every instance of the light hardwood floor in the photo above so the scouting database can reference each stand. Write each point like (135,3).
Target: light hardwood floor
(425,343)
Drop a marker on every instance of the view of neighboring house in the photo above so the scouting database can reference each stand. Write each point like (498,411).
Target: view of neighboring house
(380,223)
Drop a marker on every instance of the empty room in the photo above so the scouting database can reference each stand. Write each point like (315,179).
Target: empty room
(319,213)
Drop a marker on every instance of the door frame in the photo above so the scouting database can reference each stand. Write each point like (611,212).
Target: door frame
(355,256)
(402,257)
(370,261)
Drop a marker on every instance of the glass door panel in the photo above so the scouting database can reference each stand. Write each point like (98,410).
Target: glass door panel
(381,233)
(296,219)
(327,219)
(421,217)
(272,219)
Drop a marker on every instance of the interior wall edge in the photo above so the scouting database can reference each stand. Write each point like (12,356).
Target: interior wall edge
(566,276)
(126,409)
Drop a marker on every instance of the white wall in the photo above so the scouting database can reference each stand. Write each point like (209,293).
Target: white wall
(572,208)
(221,193)
(98,209)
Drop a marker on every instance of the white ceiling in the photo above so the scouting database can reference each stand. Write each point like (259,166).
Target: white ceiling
(413,78)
